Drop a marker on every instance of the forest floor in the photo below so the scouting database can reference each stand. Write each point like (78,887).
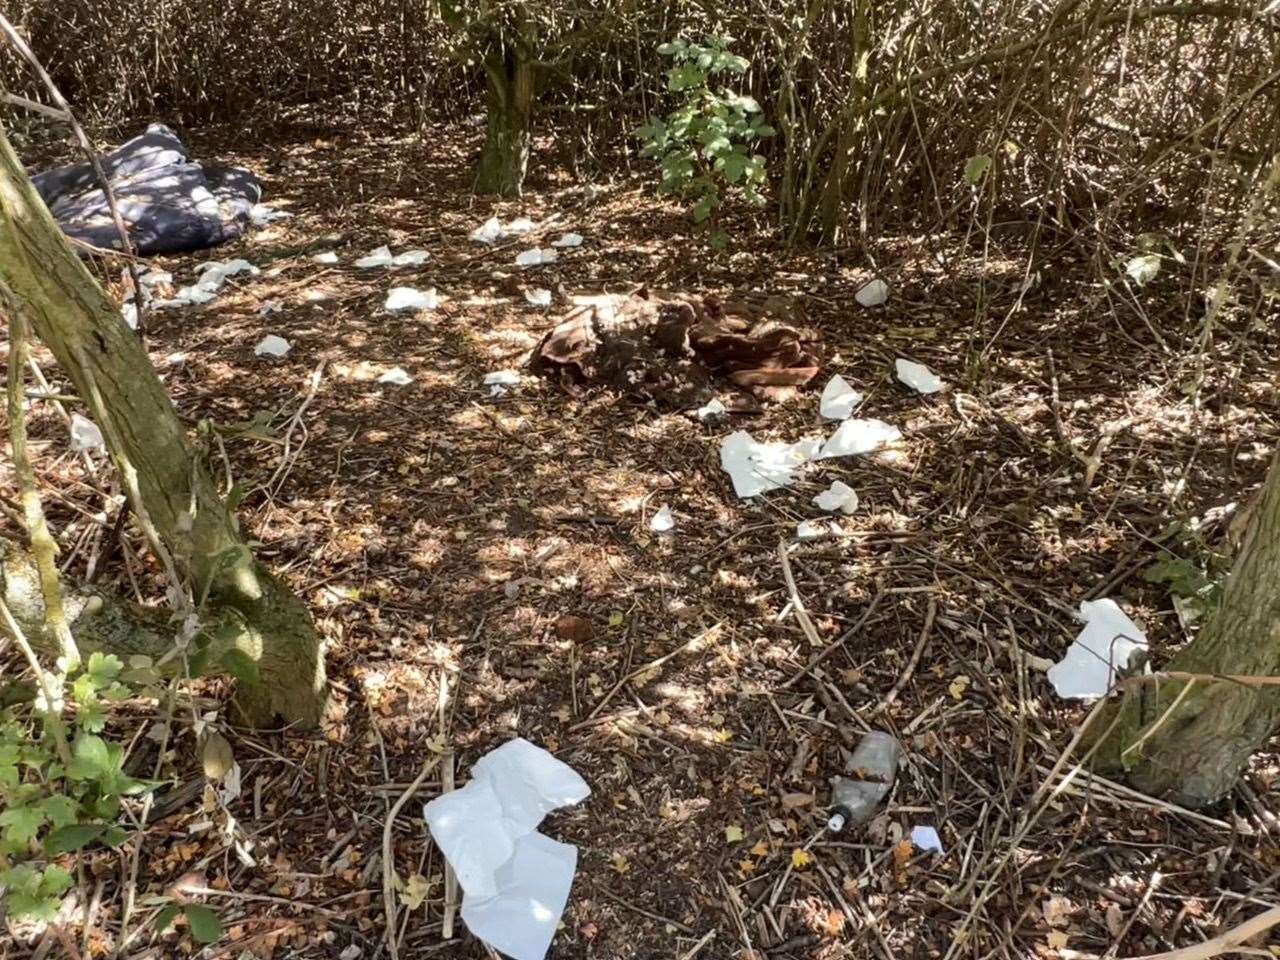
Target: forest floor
(439,532)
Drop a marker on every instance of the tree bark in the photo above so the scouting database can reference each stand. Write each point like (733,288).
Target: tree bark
(1193,749)
(113,375)
(508,131)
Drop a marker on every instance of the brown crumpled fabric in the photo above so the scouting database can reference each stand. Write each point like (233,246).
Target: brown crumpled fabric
(671,347)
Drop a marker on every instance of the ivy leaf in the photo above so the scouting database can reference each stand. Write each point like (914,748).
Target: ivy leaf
(204,923)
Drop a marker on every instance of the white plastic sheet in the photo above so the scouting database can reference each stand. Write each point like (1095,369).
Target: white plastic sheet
(378,257)
(758,467)
(917,376)
(569,240)
(272,346)
(327,257)
(397,377)
(1102,648)
(873,294)
(662,521)
(489,232)
(538,298)
(926,839)
(837,498)
(410,258)
(85,434)
(407,298)
(535,257)
(813,530)
(854,437)
(838,399)
(515,881)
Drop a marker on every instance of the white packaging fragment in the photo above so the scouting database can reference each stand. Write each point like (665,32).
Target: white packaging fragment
(85,434)
(500,381)
(270,307)
(854,437)
(538,298)
(873,294)
(261,214)
(488,232)
(837,498)
(410,258)
(535,257)
(407,298)
(838,399)
(379,257)
(926,839)
(129,310)
(758,467)
(1101,649)
(397,377)
(515,881)
(917,376)
(327,257)
(519,227)
(713,409)
(272,346)
(662,521)
(569,240)
(813,530)
(154,278)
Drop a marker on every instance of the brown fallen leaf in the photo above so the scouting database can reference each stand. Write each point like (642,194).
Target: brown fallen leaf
(574,629)
(792,801)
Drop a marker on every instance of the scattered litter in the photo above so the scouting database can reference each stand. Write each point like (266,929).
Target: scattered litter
(214,272)
(519,227)
(872,294)
(85,434)
(154,278)
(662,521)
(838,399)
(758,467)
(270,307)
(1108,644)
(917,376)
(807,530)
(189,295)
(538,298)
(535,257)
(855,437)
(397,377)
(500,381)
(488,232)
(569,240)
(316,296)
(926,839)
(380,257)
(410,258)
(407,298)
(839,497)
(129,310)
(272,346)
(713,409)
(871,769)
(515,881)
(261,214)
(327,257)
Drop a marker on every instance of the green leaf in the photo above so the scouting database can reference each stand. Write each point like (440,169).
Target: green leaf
(61,810)
(734,165)
(93,751)
(104,667)
(976,168)
(204,923)
(22,824)
(1143,269)
(32,908)
(165,917)
(71,838)
(241,666)
(55,881)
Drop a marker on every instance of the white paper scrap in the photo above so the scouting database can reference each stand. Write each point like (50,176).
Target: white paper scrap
(838,399)
(855,437)
(917,376)
(85,434)
(872,294)
(535,257)
(515,881)
(488,232)
(129,310)
(538,298)
(758,467)
(569,240)
(396,377)
(327,257)
(380,257)
(407,298)
(662,521)
(839,497)
(272,346)
(926,839)
(500,381)
(1102,648)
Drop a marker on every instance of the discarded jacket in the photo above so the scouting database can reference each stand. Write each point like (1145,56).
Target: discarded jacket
(169,203)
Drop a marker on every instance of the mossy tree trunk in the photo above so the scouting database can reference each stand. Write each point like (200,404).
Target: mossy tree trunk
(510,81)
(1191,745)
(112,373)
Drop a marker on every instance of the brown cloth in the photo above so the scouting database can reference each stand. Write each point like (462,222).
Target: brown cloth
(670,346)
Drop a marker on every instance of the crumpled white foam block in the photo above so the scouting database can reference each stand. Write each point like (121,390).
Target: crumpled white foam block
(129,310)
(396,377)
(410,258)
(662,521)
(917,376)
(500,381)
(407,298)
(758,467)
(538,298)
(515,881)
(872,294)
(535,257)
(838,399)
(813,530)
(713,409)
(488,232)
(1103,647)
(272,346)
(855,437)
(839,497)
(154,278)
(85,434)
(379,257)
(926,839)
(569,240)
(327,257)
(519,227)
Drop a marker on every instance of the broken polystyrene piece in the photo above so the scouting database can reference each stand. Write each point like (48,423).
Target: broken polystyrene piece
(838,399)
(380,257)
(519,227)
(855,437)
(538,298)
(129,310)
(327,257)
(758,467)
(271,306)
(272,346)
(407,298)
(410,258)
(807,530)
(1101,650)
(261,214)
(871,769)
(926,839)
(713,409)
(187,296)
(917,376)
(872,294)
(515,881)
(396,377)
(839,497)
(662,521)
(488,232)
(85,434)
(569,240)
(535,257)
(154,278)
(500,381)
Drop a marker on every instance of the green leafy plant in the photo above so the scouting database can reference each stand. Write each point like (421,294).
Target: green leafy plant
(703,147)
(1194,578)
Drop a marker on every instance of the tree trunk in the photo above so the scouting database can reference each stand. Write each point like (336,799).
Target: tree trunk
(505,157)
(113,375)
(1193,749)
